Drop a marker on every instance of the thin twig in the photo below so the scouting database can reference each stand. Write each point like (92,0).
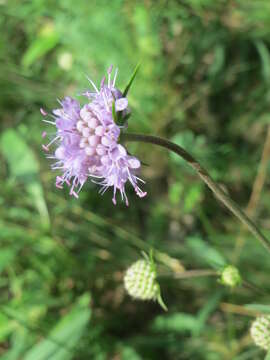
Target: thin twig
(238,309)
(203,174)
(253,287)
(260,178)
(191,274)
(256,192)
(198,273)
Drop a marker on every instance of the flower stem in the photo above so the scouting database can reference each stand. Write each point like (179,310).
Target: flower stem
(203,174)
(190,274)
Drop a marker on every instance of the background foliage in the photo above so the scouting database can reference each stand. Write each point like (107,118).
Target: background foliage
(204,83)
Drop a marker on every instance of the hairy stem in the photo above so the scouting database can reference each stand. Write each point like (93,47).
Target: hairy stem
(203,174)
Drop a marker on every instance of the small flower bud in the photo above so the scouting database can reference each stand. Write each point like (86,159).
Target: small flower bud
(121,104)
(230,276)
(140,281)
(260,332)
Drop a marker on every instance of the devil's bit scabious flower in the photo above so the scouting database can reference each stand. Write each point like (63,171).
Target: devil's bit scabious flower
(87,142)
(260,332)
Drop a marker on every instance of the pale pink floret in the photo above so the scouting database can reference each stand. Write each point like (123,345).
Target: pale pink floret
(87,142)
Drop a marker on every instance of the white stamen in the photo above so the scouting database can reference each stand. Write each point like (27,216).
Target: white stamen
(53,140)
(92,83)
(137,178)
(59,101)
(49,122)
(115,76)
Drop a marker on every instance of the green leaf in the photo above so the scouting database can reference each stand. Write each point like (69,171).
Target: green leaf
(204,251)
(131,79)
(265,59)
(6,257)
(267,356)
(61,341)
(128,353)
(179,322)
(6,327)
(264,309)
(24,167)
(206,311)
(192,197)
(175,192)
(196,145)
(45,41)
(18,345)
(219,61)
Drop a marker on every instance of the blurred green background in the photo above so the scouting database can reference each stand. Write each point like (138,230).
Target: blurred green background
(205,84)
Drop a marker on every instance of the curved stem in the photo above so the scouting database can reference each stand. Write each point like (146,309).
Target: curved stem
(203,174)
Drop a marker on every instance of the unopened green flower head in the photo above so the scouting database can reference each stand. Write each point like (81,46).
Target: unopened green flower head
(260,332)
(230,276)
(140,281)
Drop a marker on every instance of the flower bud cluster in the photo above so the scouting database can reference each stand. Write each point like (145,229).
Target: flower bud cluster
(230,276)
(141,283)
(260,332)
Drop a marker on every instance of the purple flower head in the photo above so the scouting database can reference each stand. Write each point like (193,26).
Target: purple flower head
(87,142)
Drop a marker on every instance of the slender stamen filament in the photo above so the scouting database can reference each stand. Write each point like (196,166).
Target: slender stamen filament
(115,76)
(93,84)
